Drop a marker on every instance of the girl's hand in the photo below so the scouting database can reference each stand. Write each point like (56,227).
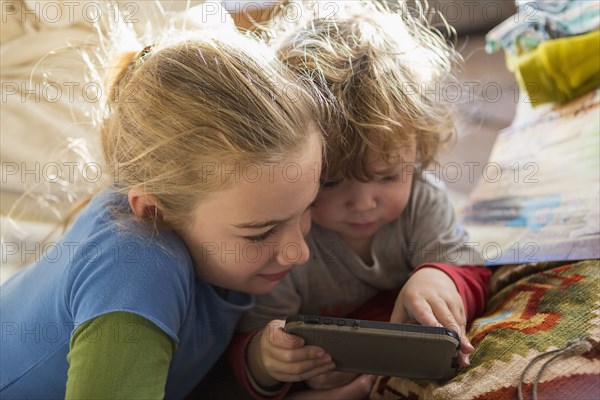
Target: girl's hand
(275,356)
(431,298)
(358,389)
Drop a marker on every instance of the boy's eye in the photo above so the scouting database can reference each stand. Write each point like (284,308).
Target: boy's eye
(391,178)
(262,237)
(330,184)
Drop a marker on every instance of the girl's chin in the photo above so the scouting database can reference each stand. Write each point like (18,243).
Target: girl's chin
(259,290)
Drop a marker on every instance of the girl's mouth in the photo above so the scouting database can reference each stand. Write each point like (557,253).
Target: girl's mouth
(275,277)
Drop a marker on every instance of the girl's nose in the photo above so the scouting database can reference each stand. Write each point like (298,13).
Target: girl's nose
(294,251)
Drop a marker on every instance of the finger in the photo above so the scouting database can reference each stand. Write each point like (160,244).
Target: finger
(278,337)
(296,355)
(467,348)
(446,318)
(457,309)
(422,311)
(399,314)
(463,359)
(331,380)
(302,371)
(356,390)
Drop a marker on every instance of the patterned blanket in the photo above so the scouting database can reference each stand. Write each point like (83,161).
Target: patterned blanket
(535,310)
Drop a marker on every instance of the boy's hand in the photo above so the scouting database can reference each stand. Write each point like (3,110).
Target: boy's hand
(357,389)
(331,380)
(431,298)
(275,356)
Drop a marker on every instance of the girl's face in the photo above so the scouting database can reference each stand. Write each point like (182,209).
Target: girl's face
(248,236)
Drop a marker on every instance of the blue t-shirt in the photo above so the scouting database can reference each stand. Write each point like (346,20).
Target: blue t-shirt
(102,266)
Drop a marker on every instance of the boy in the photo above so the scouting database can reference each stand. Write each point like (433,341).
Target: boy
(378,219)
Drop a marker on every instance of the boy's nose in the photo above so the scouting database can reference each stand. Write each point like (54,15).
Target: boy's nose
(362,201)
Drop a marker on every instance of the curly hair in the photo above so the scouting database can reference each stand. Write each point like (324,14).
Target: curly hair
(379,65)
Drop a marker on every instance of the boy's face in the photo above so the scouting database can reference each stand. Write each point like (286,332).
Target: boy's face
(357,210)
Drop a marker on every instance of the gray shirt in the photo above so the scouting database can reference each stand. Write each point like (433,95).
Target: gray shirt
(336,281)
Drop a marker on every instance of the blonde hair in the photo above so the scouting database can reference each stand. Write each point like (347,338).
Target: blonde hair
(205,101)
(379,66)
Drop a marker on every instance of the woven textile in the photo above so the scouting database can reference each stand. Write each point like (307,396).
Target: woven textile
(536,308)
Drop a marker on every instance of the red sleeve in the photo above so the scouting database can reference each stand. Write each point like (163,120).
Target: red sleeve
(377,308)
(237,359)
(472,283)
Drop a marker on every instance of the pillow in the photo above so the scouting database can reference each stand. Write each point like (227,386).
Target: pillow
(536,314)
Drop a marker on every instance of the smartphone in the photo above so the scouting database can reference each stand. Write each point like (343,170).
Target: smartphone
(381,348)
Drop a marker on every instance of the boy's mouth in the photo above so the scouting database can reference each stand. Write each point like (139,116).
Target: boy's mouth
(361,225)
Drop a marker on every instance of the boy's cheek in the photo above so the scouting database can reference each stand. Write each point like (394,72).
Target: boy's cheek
(305,223)
(322,205)
(322,217)
(328,199)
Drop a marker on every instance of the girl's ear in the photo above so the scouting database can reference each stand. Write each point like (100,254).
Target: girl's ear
(143,205)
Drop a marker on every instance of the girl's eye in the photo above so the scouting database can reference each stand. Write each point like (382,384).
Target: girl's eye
(391,178)
(330,184)
(262,237)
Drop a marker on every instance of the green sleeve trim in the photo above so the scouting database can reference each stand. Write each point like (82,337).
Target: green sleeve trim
(119,355)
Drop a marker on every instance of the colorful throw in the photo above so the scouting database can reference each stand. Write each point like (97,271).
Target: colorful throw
(539,20)
(545,308)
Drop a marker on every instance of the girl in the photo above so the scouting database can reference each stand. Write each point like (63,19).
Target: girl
(215,159)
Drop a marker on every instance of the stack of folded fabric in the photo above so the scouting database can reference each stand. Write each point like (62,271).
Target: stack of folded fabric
(553,46)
